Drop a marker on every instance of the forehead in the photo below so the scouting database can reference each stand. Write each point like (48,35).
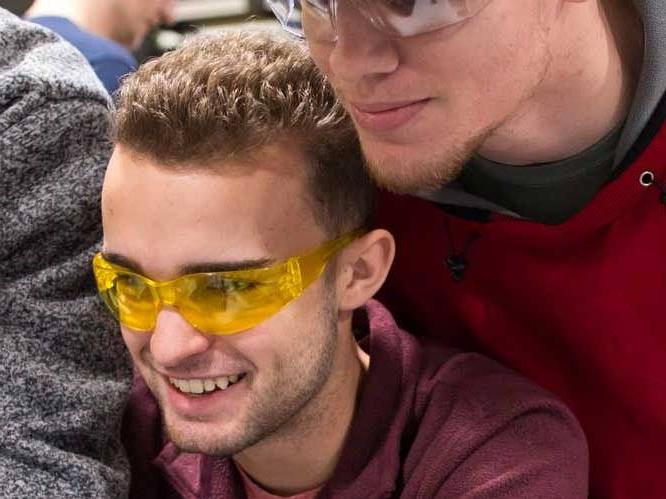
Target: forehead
(164,218)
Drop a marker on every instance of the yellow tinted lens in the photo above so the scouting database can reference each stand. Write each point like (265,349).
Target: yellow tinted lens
(230,302)
(127,295)
(137,307)
(226,303)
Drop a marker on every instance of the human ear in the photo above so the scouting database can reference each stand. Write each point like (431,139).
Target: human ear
(362,268)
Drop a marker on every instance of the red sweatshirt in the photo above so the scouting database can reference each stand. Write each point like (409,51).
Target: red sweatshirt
(431,423)
(578,307)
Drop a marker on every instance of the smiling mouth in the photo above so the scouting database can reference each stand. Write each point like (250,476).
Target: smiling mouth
(205,385)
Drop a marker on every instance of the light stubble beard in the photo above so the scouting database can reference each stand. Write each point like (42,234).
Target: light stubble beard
(434,171)
(430,173)
(282,409)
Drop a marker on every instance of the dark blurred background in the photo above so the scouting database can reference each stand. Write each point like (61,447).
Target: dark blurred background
(191,15)
(15,6)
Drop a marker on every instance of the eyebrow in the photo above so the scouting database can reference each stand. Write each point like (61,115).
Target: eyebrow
(193,268)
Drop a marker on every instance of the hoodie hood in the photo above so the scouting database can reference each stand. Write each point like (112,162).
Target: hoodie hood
(652,82)
(565,178)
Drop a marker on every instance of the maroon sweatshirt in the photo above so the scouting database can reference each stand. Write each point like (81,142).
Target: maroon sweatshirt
(577,307)
(430,423)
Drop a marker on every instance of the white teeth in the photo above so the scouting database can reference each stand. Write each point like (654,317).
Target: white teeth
(199,386)
(196,386)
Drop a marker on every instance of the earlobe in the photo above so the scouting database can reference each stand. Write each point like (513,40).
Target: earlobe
(364,267)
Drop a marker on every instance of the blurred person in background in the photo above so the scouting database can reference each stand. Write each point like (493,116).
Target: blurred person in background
(105,31)
(65,374)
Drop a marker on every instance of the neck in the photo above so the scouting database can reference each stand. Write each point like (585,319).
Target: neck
(303,455)
(594,54)
(87,15)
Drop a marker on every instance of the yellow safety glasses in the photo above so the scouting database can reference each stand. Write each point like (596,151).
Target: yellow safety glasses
(220,303)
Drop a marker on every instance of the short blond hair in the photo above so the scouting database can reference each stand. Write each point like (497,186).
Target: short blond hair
(224,96)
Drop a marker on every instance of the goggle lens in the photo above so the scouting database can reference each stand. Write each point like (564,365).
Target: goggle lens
(396,17)
(217,302)
(134,299)
(289,13)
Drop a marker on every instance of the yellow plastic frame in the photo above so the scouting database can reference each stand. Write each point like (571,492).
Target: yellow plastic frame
(220,303)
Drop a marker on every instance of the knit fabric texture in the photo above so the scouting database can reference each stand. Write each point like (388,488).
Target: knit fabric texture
(64,364)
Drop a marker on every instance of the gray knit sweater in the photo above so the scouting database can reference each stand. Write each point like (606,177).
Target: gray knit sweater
(63,365)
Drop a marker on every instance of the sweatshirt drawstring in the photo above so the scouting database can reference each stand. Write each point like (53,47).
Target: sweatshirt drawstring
(457,262)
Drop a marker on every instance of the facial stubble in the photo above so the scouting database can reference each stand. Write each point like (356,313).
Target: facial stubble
(424,173)
(285,405)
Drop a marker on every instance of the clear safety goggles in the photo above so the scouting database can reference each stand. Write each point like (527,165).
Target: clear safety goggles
(219,303)
(399,18)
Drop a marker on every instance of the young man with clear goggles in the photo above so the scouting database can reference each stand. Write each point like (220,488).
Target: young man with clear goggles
(240,260)
(530,135)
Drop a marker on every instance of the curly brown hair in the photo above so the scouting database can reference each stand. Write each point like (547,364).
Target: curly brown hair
(226,96)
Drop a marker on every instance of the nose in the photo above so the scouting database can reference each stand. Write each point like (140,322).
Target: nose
(175,341)
(362,51)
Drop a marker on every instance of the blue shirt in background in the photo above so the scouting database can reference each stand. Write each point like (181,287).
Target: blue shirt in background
(110,60)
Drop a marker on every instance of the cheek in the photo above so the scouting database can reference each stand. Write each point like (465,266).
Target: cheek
(500,45)
(136,343)
(500,78)
(269,345)
(320,53)
(282,340)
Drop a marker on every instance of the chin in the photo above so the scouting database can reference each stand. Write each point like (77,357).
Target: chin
(209,438)
(422,165)
(410,169)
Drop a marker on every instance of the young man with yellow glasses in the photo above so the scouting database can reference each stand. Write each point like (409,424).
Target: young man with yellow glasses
(240,261)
